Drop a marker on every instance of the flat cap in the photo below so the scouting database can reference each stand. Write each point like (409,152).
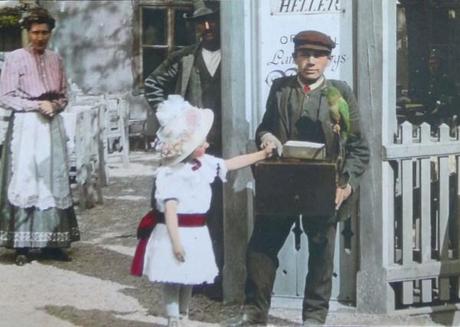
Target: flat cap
(313,40)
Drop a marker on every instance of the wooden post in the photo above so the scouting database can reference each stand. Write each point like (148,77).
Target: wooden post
(235,135)
(376,90)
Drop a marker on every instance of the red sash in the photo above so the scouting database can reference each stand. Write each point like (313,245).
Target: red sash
(145,228)
(187,220)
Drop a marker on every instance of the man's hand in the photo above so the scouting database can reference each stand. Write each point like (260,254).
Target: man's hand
(269,138)
(46,108)
(179,252)
(341,194)
(268,150)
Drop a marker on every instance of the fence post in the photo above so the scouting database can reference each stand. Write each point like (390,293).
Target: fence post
(407,194)
(425,213)
(443,173)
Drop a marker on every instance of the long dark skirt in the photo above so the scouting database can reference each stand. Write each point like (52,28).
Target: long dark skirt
(32,227)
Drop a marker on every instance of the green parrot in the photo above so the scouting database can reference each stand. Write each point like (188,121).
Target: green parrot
(339,112)
(340,117)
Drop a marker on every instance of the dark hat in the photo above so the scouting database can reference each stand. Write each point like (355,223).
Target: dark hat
(37,15)
(313,40)
(201,11)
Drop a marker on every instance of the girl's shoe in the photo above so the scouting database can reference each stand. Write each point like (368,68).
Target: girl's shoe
(173,322)
(183,316)
(21,257)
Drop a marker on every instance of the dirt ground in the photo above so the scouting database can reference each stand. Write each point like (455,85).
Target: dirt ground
(96,289)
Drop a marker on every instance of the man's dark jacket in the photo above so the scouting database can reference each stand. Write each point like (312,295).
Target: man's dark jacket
(174,76)
(284,111)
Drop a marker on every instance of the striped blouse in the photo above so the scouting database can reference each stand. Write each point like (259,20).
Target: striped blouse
(28,77)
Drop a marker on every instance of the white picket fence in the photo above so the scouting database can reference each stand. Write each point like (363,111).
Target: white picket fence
(424,248)
(95,125)
(85,154)
(113,116)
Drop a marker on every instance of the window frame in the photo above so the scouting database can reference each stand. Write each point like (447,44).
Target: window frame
(170,7)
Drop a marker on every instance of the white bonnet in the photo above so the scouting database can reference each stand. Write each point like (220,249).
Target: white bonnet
(183,128)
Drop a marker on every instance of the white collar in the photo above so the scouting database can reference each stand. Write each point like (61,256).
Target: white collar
(211,60)
(311,86)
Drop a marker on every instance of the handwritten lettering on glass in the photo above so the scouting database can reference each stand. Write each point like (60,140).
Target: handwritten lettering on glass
(281,62)
(305,7)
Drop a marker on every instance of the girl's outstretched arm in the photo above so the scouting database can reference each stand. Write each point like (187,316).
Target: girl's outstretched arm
(250,158)
(172,225)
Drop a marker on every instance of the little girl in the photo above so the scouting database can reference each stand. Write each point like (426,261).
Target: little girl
(179,252)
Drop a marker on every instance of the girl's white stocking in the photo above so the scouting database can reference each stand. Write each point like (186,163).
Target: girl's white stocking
(185,295)
(171,299)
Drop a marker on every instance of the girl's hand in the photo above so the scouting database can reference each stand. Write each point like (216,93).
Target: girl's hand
(179,252)
(269,138)
(268,149)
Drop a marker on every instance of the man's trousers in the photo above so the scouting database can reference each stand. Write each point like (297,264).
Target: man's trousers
(269,235)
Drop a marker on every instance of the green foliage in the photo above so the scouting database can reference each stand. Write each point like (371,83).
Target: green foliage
(9,17)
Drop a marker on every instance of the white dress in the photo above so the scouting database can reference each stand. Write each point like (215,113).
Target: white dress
(191,187)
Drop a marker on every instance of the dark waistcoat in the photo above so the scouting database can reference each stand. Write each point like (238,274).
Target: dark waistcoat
(210,98)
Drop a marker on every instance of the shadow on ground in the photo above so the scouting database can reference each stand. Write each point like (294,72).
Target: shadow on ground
(94,318)
(94,261)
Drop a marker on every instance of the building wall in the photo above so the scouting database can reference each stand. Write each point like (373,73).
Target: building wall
(95,39)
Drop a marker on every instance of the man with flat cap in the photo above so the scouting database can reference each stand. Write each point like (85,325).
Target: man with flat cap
(195,73)
(298,109)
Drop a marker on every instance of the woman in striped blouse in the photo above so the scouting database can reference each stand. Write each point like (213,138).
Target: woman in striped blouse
(36,209)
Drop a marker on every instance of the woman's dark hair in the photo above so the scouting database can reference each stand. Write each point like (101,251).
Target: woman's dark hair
(37,16)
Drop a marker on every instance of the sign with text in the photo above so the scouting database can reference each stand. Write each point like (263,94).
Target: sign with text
(280,20)
(305,7)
